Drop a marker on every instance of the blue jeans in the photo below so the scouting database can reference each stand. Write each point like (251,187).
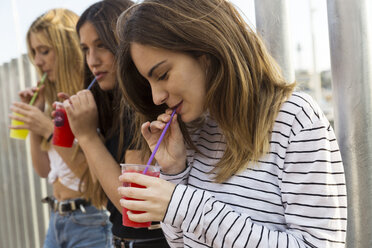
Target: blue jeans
(77,229)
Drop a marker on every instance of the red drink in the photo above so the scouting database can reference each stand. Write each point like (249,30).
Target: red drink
(62,135)
(132,168)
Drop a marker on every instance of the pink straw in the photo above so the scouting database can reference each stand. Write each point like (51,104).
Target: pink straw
(159,141)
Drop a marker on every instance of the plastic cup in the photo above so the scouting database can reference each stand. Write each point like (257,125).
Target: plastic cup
(62,134)
(136,168)
(18,133)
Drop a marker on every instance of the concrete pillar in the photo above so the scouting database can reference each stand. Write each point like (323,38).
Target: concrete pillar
(272,23)
(350,32)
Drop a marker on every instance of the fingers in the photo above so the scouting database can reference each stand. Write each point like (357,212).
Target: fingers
(20,108)
(142,217)
(16,116)
(28,93)
(23,126)
(137,178)
(63,96)
(22,105)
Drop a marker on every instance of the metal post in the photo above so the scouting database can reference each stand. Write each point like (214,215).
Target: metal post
(272,23)
(350,32)
(5,160)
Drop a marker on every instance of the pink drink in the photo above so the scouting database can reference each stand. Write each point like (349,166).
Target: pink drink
(62,135)
(132,168)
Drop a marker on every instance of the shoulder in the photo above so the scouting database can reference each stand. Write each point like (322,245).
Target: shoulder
(300,111)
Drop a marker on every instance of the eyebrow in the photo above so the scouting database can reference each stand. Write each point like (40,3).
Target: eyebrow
(82,43)
(149,74)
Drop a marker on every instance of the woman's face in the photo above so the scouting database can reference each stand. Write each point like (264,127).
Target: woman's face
(98,57)
(176,79)
(45,57)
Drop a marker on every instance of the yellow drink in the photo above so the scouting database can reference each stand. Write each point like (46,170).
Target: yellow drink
(18,133)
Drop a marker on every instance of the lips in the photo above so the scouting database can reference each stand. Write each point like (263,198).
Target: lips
(100,75)
(178,107)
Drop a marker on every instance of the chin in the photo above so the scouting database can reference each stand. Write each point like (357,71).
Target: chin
(106,86)
(187,118)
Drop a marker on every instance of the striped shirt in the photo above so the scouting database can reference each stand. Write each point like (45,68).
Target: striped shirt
(294,196)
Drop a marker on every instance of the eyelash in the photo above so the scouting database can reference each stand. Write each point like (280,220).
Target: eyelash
(45,52)
(85,49)
(162,77)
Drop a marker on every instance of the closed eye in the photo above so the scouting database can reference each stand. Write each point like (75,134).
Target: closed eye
(45,52)
(84,49)
(163,77)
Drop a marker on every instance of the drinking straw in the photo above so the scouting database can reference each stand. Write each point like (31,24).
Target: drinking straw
(36,93)
(91,84)
(159,141)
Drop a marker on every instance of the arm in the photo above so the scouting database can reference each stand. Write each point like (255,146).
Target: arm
(82,113)
(103,166)
(40,159)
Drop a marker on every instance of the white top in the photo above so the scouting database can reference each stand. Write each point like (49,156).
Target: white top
(60,170)
(295,196)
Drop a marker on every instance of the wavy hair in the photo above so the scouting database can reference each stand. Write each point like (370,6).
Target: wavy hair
(56,29)
(245,88)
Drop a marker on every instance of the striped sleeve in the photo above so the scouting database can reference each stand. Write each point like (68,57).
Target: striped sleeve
(313,187)
(207,222)
(180,178)
(313,195)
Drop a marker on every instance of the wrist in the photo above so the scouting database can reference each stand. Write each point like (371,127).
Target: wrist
(49,131)
(175,169)
(49,138)
(86,139)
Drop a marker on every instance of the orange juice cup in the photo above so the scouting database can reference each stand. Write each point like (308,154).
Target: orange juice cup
(137,168)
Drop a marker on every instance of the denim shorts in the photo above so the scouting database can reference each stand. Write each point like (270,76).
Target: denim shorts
(77,229)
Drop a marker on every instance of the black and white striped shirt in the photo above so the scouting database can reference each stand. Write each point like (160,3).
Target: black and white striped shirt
(295,196)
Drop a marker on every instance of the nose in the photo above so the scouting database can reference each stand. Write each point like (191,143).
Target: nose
(92,58)
(159,95)
(39,62)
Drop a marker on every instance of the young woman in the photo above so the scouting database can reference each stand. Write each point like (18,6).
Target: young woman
(258,164)
(101,108)
(77,217)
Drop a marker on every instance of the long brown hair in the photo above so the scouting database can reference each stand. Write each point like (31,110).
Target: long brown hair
(245,87)
(113,111)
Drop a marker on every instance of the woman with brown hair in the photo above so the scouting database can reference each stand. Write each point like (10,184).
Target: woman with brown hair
(246,161)
(103,108)
(78,217)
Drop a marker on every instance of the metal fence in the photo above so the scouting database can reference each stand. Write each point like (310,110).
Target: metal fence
(23,218)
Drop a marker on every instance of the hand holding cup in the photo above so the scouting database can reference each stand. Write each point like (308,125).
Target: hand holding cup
(145,198)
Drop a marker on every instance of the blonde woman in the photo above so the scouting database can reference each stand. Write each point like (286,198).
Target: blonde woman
(77,215)
(259,165)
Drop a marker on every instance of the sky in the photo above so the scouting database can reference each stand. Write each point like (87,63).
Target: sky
(17,15)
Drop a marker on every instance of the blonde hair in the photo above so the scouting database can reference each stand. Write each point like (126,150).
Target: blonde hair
(56,29)
(245,88)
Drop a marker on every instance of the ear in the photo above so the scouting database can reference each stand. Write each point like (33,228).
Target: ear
(204,61)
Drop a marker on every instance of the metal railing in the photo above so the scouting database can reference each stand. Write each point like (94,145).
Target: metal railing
(23,218)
